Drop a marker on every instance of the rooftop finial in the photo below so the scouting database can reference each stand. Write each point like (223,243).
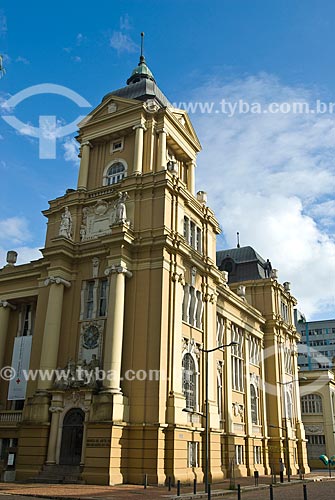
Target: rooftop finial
(142,47)
(238,240)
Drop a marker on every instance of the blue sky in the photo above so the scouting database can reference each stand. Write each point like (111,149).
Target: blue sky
(280,168)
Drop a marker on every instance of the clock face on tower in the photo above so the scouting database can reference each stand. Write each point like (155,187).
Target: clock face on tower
(91,337)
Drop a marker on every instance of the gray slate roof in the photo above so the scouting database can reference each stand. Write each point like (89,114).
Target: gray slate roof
(246,264)
(142,90)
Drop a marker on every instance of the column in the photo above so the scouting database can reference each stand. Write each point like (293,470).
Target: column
(247,407)
(178,283)
(161,157)
(227,381)
(52,326)
(84,164)
(114,328)
(5,308)
(55,412)
(191,176)
(138,149)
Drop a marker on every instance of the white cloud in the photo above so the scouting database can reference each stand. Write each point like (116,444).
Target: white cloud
(76,59)
(122,43)
(125,23)
(272,178)
(14,235)
(15,230)
(23,60)
(71,151)
(80,38)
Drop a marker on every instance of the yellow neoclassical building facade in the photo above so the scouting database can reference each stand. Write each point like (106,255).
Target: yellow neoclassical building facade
(129,293)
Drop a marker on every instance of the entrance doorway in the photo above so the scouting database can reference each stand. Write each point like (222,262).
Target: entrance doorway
(72,437)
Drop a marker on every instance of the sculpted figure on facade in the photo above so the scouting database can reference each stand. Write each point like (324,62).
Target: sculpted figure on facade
(65,228)
(120,208)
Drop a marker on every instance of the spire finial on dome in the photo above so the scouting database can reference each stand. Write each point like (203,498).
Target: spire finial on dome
(142,58)
(141,71)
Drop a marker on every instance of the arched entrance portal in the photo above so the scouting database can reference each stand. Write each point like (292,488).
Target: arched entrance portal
(72,437)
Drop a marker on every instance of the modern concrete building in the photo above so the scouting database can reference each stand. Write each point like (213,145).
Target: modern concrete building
(317,346)
(126,297)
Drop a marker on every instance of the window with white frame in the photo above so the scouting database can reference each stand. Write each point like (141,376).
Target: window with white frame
(193,306)
(288,360)
(115,173)
(254,404)
(254,350)
(192,234)
(284,311)
(95,298)
(189,381)
(239,454)
(26,320)
(192,454)
(288,403)
(89,299)
(220,326)
(237,359)
(311,403)
(257,455)
(103,286)
(117,145)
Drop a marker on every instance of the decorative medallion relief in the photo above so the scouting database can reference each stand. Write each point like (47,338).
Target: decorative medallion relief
(91,341)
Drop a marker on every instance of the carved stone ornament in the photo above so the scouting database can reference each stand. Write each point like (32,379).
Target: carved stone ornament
(238,410)
(90,345)
(112,107)
(65,228)
(95,267)
(78,375)
(98,219)
(314,428)
(151,106)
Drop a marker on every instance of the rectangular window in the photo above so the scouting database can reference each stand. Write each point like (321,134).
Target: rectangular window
(89,303)
(237,359)
(192,454)
(187,229)
(26,321)
(239,455)
(192,234)
(284,311)
(117,145)
(219,329)
(316,439)
(199,240)
(103,297)
(257,455)
(254,351)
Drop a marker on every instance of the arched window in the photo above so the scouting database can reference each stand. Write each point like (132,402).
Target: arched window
(289,404)
(189,381)
(253,404)
(115,173)
(311,403)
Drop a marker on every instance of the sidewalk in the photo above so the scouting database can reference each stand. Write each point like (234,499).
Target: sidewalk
(91,492)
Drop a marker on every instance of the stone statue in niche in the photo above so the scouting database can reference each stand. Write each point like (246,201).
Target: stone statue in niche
(65,228)
(95,266)
(120,208)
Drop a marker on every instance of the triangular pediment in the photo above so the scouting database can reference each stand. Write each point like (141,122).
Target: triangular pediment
(183,119)
(110,106)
